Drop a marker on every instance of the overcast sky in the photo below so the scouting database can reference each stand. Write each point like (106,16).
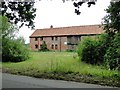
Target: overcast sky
(59,14)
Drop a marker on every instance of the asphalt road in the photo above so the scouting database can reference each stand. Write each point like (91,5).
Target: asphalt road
(15,81)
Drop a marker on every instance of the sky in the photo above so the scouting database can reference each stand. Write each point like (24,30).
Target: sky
(59,14)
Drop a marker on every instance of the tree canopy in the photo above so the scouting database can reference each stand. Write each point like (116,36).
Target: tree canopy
(16,12)
(112,19)
(104,50)
(13,48)
(24,12)
(77,4)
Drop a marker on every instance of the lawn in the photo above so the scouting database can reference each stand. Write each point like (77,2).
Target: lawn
(62,65)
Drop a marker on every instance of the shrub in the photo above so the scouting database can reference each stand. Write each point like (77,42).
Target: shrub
(103,44)
(92,50)
(103,50)
(87,50)
(14,51)
(70,50)
(44,47)
(112,56)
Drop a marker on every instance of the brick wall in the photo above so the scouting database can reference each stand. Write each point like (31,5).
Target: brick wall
(53,43)
(57,43)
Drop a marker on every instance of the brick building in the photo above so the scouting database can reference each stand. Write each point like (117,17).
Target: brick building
(63,38)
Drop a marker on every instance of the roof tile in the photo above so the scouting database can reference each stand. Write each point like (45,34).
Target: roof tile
(74,30)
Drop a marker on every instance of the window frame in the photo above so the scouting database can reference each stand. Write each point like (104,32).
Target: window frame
(52,38)
(52,46)
(56,46)
(41,38)
(56,38)
(36,46)
(36,38)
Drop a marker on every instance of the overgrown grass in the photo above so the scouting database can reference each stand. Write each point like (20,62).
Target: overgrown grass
(62,65)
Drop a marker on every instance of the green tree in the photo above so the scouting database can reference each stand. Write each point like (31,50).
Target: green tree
(112,19)
(12,49)
(112,56)
(107,47)
(15,11)
(25,11)
(8,30)
(92,50)
(112,28)
(78,4)
(43,47)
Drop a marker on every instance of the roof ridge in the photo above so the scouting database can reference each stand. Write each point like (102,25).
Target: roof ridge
(69,26)
(70,30)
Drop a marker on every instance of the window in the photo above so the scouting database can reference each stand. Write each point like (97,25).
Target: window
(36,38)
(52,47)
(40,45)
(56,46)
(41,38)
(56,38)
(36,46)
(52,38)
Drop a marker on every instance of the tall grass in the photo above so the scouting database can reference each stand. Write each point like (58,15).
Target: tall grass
(62,65)
(57,62)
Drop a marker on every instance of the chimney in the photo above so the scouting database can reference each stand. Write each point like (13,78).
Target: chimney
(51,26)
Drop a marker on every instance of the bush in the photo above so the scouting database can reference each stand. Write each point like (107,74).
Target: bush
(87,50)
(70,50)
(44,47)
(112,59)
(92,50)
(103,50)
(14,51)
(103,44)
(112,56)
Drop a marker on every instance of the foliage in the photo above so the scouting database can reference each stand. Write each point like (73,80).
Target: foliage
(43,47)
(104,42)
(24,12)
(102,51)
(88,50)
(48,64)
(112,19)
(112,56)
(106,49)
(77,4)
(19,12)
(112,27)
(12,49)
(70,50)
(8,30)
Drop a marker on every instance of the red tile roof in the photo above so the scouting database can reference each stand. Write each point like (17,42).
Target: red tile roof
(64,31)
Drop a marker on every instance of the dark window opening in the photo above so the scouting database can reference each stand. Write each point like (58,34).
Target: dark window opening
(56,38)
(36,39)
(41,38)
(56,46)
(36,46)
(52,47)
(52,38)
(40,45)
